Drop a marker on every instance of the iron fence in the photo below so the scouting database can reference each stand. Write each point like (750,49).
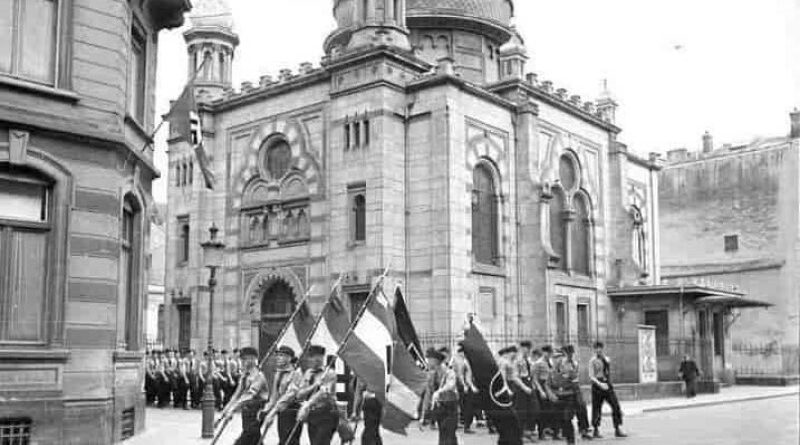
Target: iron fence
(765,359)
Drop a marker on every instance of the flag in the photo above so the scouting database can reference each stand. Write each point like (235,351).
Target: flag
(378,357)
(298,330)
(493,393)
(405,327)
(333,323)
(186,122)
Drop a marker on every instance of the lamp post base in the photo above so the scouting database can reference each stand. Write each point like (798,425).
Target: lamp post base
(208,403)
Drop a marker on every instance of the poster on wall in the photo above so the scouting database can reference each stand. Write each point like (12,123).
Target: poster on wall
(648,367)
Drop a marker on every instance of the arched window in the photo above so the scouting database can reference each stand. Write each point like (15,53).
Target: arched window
(221,66)
(359,218)
(191,172)
(130,271)
(184,244)
(303,224)
(570,220)
(484,216)
(278,159)
(557,227)
(254,232)
(579,232)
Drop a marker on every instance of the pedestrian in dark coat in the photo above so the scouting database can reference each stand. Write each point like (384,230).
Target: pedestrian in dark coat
(689,373)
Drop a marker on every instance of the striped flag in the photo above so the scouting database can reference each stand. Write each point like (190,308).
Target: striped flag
(300,327)
(377,356)
(333,323)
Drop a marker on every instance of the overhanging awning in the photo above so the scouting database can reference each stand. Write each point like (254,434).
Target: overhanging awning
(732,302)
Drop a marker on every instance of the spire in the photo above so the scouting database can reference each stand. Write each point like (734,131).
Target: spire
(606,105)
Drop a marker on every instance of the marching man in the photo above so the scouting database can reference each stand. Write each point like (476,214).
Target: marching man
(282,399)
(250,397)
(319,392)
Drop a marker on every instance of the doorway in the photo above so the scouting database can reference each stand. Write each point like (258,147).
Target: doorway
(277,305)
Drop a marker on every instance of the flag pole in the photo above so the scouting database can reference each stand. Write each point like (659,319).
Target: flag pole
(349,333)
(172,107)
(321,316)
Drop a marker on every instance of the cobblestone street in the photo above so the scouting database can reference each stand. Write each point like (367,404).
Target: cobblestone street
(737,422)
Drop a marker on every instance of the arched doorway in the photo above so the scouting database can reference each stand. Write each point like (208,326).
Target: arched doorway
(277,305)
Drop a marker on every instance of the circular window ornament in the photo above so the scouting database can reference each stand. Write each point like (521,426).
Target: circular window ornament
(275,158)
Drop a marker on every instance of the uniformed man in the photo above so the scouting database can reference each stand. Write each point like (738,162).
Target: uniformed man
(526,404)
(542,375)
(226,385)
(196,379)
(603,391)
(564,378)
(150,378)
(250,397)
(442,397)
(283,404)
(318,390)
(507,421)
(218,381)
(569,389)
(163,382)
(182,382)
(365,402)
(467,389)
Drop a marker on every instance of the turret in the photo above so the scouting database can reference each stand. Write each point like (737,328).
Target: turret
(211,43)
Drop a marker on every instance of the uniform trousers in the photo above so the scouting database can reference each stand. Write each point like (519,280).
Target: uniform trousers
(580,411)
(508,426)
(198,385)
(522,407)
(150,389)
(287,419)
(565,409)
(598,397)
(546,418)
(321,426)
(164,391)
(446,414)
(251,425)
(373,411)
(467,408)
(180,395)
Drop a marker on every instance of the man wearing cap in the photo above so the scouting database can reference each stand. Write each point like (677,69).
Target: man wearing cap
(603,391)
(282,398)
(365,402)
(508,422)
(442,398)
(568,390)
(542,376)
(466,388)
(250,397)
(318,390)
(526,405)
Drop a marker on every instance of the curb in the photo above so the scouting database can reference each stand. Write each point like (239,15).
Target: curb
(718,402)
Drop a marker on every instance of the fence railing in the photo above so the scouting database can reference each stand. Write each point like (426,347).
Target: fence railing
(765,359)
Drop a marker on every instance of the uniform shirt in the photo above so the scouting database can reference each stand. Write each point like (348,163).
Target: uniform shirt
(441,380)
(565,373)
(285,383)
(325,395)
(464,374)
(523,367)
(542,370)
(255,384)
(600,368)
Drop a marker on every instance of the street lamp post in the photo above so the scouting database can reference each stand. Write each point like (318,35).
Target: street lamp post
(212,259)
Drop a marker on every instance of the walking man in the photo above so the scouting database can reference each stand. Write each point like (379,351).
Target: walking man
(467,389)
(442,397)
(542,380)
(689,373)
(508,422)
(603,391)
(283,398)
(319,392)
(250,397)
(366,403)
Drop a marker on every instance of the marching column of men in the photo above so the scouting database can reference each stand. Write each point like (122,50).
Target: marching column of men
(178,380)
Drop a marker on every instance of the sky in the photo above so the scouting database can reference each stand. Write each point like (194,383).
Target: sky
(677,68)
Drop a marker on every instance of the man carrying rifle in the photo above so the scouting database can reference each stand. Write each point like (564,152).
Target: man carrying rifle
(250,397)
(286,381)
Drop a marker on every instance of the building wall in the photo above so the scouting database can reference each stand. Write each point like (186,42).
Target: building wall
(751,193)
(75,385)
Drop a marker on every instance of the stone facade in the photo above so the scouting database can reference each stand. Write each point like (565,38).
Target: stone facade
(73,132)
(743,204)
(404,120)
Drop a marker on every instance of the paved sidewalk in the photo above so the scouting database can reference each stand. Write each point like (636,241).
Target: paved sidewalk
(179,427)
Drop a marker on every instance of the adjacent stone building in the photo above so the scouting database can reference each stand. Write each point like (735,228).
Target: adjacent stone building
(742,202)
(76,110)
(420,144)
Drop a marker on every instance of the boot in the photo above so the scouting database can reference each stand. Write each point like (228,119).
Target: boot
(618,433)
(596,434)
(585,435)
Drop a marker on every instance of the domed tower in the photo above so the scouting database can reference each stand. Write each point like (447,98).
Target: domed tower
(364,23)
(471,32)
(211,43)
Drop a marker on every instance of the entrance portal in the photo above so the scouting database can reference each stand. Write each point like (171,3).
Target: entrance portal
(277,306)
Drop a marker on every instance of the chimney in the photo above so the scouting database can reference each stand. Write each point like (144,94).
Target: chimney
(708,142)
(795,117)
